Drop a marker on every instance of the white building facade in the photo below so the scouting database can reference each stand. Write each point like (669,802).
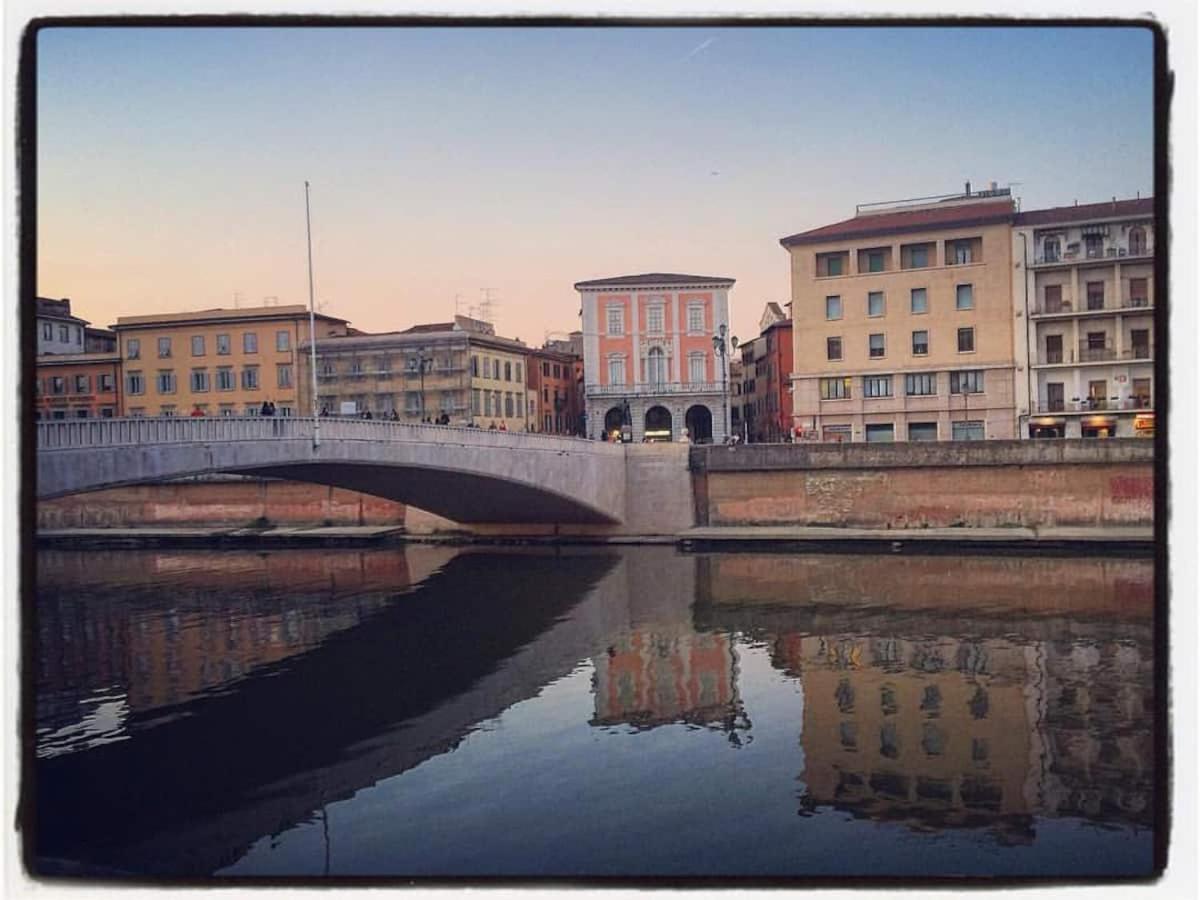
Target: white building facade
(1084,288)
(649,358)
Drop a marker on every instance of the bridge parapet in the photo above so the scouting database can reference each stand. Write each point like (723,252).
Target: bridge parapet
(83,433)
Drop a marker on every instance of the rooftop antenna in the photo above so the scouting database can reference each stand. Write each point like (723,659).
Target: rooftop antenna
(458,304)
(270,300)
(487,304)
(237,299)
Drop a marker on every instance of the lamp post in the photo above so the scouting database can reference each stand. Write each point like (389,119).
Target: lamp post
(720,349)
(421,360)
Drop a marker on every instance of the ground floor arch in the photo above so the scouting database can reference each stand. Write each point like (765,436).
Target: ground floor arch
(699,422)
(658,424)
(613,419)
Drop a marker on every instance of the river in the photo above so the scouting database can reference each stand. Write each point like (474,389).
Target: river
(428,711)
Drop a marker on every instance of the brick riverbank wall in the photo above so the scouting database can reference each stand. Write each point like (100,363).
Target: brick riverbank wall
(985,484)
(218,501)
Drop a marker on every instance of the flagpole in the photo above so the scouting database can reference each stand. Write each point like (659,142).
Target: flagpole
(312,325)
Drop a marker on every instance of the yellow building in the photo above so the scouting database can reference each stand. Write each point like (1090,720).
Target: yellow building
(458,371)
(219,361)
(904,324)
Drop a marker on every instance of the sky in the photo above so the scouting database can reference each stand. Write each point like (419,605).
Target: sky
(171,162)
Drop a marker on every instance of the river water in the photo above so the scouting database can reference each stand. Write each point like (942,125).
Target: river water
(447,712)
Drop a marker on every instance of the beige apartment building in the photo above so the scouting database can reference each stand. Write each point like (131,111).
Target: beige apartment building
(1084,290)
(224,362)
(903,322)
(458,370)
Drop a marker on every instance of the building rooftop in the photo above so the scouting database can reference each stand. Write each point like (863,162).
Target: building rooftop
(49,308)
(654,278)
(221,314)
(923,218)
(1112,209)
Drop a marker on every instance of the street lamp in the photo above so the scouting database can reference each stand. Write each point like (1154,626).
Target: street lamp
(719,348)
(421,360)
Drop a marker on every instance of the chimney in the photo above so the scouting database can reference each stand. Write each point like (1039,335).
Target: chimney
(967,189)
(992,186)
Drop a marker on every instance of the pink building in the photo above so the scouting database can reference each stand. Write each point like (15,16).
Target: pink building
(648,343)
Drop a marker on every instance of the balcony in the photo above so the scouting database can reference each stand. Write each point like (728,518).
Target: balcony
(1088,354)
(651,390)
(1093,404)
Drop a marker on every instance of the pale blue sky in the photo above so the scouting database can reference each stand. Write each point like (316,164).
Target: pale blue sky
(172,161)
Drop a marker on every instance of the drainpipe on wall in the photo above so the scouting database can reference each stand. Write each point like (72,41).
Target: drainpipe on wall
(1028,370)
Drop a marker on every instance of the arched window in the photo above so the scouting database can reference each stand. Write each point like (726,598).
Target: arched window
(656,366)
(1137,241)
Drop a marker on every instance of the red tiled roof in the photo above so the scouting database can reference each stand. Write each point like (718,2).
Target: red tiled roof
(1108,210)
(653,278)
(927,219)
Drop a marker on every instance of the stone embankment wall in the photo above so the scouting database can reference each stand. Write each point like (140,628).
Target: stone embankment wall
(224,501)
(986,484)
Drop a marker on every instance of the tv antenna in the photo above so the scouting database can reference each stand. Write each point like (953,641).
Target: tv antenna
(487,304)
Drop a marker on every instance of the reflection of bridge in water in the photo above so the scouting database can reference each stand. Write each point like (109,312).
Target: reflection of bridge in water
(923,709)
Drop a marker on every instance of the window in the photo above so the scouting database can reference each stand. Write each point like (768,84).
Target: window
(656,366)
(1137,241)
(1141,393)
(284,410)
(1138,293)
(412,402)
(1051,249)
(1054,348)
(47,331)
(1096,340)
(558,371)
(283,341)
(487,403)
(81,413)
(695,318)
(919,256)
(833,308)
(966,382)
(833,348)
(164,348)
(1095,295)
(250,378)
(964,297)
(881,434)
(495,370)
(134,383)
(835,388)
(166,381)
(875,346)
(249,342)
(476,408)
(962,252)
(919,301)
(545,370)
(616,320)
(225,378)
(616,370)
(922,431)
(106,383)
(133,346)
(199,380)
(106,412)
(507,371)
(58,384)
(167,410)
(830,264)
(517,371)
(966,340)
(508,405)
(475,366)
(222,345)
(875,261)
(966,431)
(1054,299)
(696,368)
(922,384)
(654,320)
(83,384)
(1093,245)
(875,303)
(64,334)
(920,343)
(877,386)
(1140,339)
(252,409)
(197,345)
(283,374)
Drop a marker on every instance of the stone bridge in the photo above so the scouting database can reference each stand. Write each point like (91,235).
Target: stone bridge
(465,474)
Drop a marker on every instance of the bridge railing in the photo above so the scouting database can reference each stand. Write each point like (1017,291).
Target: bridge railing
(82,433)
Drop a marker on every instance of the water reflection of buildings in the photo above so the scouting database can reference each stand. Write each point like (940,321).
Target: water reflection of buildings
(946,715)
(122,644)
(648,678)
